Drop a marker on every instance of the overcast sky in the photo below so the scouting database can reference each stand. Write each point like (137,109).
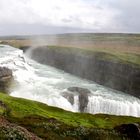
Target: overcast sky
(62,16)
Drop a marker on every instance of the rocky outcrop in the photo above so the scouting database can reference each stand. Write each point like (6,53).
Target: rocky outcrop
(24,48)
(92,66)
(132,131)
(5,72)
(5,79)
(79,90)
(12,131)
(82,94)
(69,96)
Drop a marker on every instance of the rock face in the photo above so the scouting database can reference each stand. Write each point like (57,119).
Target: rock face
(120,76)
(79,90)
(24,48)
(5,78)
(69,96)
(130,130)
(82,94)
(12,131)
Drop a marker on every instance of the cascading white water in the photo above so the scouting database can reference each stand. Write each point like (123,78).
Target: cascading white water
(45,84)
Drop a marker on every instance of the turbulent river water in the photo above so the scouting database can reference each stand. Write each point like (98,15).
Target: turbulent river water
(45,84)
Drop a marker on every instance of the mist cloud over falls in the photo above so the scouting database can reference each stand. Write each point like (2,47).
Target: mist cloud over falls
(59,16)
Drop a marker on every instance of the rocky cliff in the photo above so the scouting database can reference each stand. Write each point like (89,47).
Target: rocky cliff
(96,66)
(5,79)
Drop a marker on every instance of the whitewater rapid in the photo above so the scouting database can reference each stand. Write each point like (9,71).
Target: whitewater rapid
(45,84)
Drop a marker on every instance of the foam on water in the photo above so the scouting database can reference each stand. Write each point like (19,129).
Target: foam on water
(45,84)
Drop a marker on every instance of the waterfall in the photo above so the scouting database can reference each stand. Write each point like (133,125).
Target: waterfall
(98,104)
(45,84)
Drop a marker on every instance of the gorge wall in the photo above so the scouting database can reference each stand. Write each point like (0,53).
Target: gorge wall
(92,66)
(5,79)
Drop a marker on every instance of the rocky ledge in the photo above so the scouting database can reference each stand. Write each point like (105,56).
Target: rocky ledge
(5,79)
(131,130)
(82,95)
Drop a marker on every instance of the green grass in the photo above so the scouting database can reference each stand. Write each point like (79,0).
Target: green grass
(129,58)
(21,108)
(126,58)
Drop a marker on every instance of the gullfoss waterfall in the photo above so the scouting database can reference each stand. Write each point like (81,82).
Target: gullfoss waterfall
(46,84)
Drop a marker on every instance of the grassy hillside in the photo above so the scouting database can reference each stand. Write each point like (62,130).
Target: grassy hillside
(127,58)
(21,107)
(46,121)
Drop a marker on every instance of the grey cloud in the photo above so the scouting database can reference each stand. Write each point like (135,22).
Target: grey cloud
(57,8)
(21,17)
(66,20)
(128,18)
